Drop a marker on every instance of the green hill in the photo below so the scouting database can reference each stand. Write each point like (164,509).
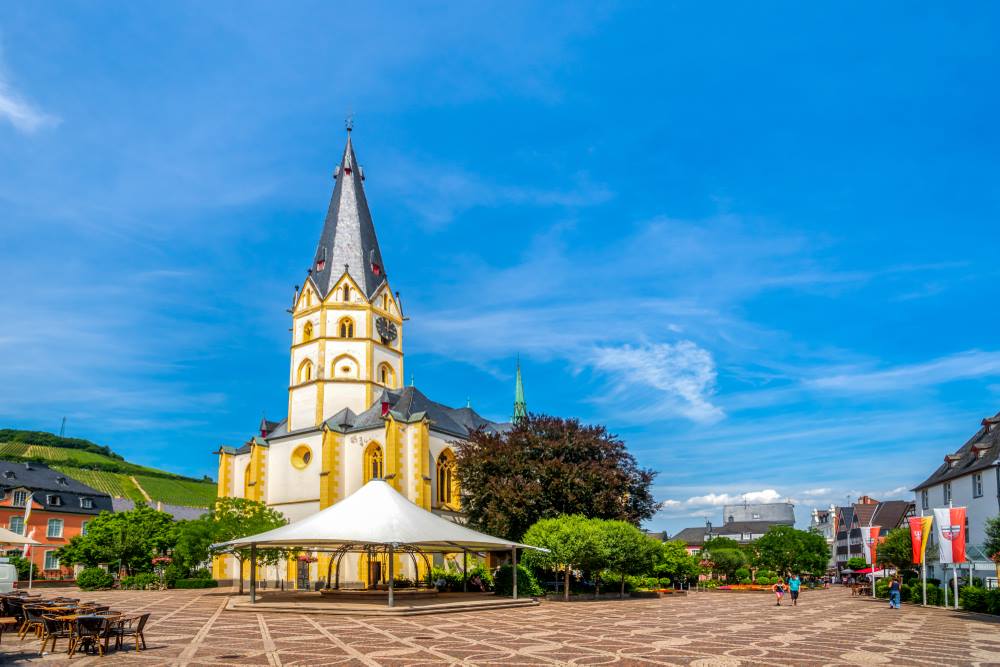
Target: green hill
(97,466)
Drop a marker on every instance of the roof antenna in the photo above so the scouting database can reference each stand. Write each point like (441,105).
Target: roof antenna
(468,402)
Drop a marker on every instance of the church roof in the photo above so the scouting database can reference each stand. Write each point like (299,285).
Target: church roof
(348,238)
(410,404)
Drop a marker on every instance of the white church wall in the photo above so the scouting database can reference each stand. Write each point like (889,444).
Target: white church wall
(339,395)
(287,482)
(303,414)
(240,463)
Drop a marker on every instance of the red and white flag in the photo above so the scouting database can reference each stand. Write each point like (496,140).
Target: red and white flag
(869,537)
(27,516)
(951,534)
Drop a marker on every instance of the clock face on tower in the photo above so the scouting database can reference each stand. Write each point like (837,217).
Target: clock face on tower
(386,330)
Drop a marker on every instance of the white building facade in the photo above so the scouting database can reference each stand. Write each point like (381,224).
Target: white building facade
(969,477)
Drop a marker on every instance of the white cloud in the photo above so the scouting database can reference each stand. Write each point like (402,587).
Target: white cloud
(682,373)
(966,365)
(824,491)
(24,116)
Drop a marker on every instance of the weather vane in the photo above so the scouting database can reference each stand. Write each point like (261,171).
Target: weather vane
(349,121)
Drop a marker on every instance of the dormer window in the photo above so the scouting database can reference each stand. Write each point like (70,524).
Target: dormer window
(20,498)
(87,503)
(9,474)
(53,499)
(61,481)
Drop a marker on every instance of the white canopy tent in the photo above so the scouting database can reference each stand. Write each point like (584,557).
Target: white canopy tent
(375,516)
(9,537)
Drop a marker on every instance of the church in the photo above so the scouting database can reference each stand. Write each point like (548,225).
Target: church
(350,417)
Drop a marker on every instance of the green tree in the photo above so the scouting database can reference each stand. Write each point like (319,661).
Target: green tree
(194,538)
(787,550)
(673,560)
(896,550)
(232,518)
(725,555)
(856,563)
(627,550)
(545,467)
(572,542)
(128,540)
(992,543)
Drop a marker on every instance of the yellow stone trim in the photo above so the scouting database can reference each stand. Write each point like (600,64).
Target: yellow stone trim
(257,460)
(360,339)
(225,475)
(393,454)
(329,476)
(219,567)
(421,464)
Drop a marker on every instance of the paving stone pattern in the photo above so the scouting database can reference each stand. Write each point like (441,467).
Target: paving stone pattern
(703,629)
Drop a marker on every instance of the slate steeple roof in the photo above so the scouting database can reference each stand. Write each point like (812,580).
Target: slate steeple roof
(348,238)
(520,407)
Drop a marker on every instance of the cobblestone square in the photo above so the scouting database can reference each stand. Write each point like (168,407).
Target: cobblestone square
(703,629)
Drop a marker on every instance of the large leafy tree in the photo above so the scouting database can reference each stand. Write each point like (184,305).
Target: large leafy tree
(627,550)
(546,467)
(128,540)
(725,555)
(573,542)
(194,539)
(992,543)
(673,560)
(896,550)
(787,550)
(232,518)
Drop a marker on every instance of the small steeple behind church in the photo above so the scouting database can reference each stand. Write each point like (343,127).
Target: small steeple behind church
(520,407)
(348,241)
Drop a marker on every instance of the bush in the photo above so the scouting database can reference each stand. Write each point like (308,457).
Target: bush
(402,582)
(527,585)
(664,582)
(973,598)
(709,583)
(742,573)
(144,581)
(766,574)
(196,583)
(882,588)
(993,601)
(745,580)
(484,575)
(94,579)
(173,572)
(452,579)
(201,573)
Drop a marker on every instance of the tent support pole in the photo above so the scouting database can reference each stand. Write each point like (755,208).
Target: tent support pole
(513,560)
(465,571)
(253,573)
(392,558)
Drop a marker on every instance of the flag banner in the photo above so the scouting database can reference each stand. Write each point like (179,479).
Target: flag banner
(869,540)
(951,534)
(28,502)
(920,530)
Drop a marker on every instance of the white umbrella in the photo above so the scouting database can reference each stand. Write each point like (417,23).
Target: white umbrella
(10,537)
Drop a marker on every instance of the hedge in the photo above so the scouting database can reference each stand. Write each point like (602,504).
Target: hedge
(196,583)
(94,579)
(527,585)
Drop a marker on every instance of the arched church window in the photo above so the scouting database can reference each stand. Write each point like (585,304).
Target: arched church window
(307,332)
(373,462)
(347,292)
(305,371)
(447,481)
(386,376)
(346,328)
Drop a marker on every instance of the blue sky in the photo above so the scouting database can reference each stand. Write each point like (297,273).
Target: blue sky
(754,240)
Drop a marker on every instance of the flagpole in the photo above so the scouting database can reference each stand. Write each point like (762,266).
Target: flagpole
(954,566)
(923,555)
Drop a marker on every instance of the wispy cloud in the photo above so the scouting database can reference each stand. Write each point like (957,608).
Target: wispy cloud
(17,110)
(961,366)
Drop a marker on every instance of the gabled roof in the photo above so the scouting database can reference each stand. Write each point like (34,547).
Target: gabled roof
(979,452)
(692,536)
(348,242)
(46,482)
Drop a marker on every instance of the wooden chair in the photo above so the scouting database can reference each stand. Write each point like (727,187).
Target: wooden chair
(88,631)
(32,620)
(54,629)
(132,626)
(7,623)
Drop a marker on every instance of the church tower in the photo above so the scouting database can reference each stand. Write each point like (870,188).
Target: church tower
(520,406)
(347,325)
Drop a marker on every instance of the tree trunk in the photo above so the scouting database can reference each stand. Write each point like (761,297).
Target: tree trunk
(240,561)
(597,585)
(621,594)
(566,585)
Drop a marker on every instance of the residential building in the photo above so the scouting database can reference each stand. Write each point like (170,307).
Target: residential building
(851,520)
(762,517)
(968,477)
(57,508)
(824,522)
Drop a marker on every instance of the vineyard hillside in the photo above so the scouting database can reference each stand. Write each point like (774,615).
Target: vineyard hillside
(99,467)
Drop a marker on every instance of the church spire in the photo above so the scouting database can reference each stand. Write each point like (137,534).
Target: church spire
(520,407)
(348,241)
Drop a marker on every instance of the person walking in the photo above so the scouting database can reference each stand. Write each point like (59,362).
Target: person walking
(894,587)
(779,591)
(794,583)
